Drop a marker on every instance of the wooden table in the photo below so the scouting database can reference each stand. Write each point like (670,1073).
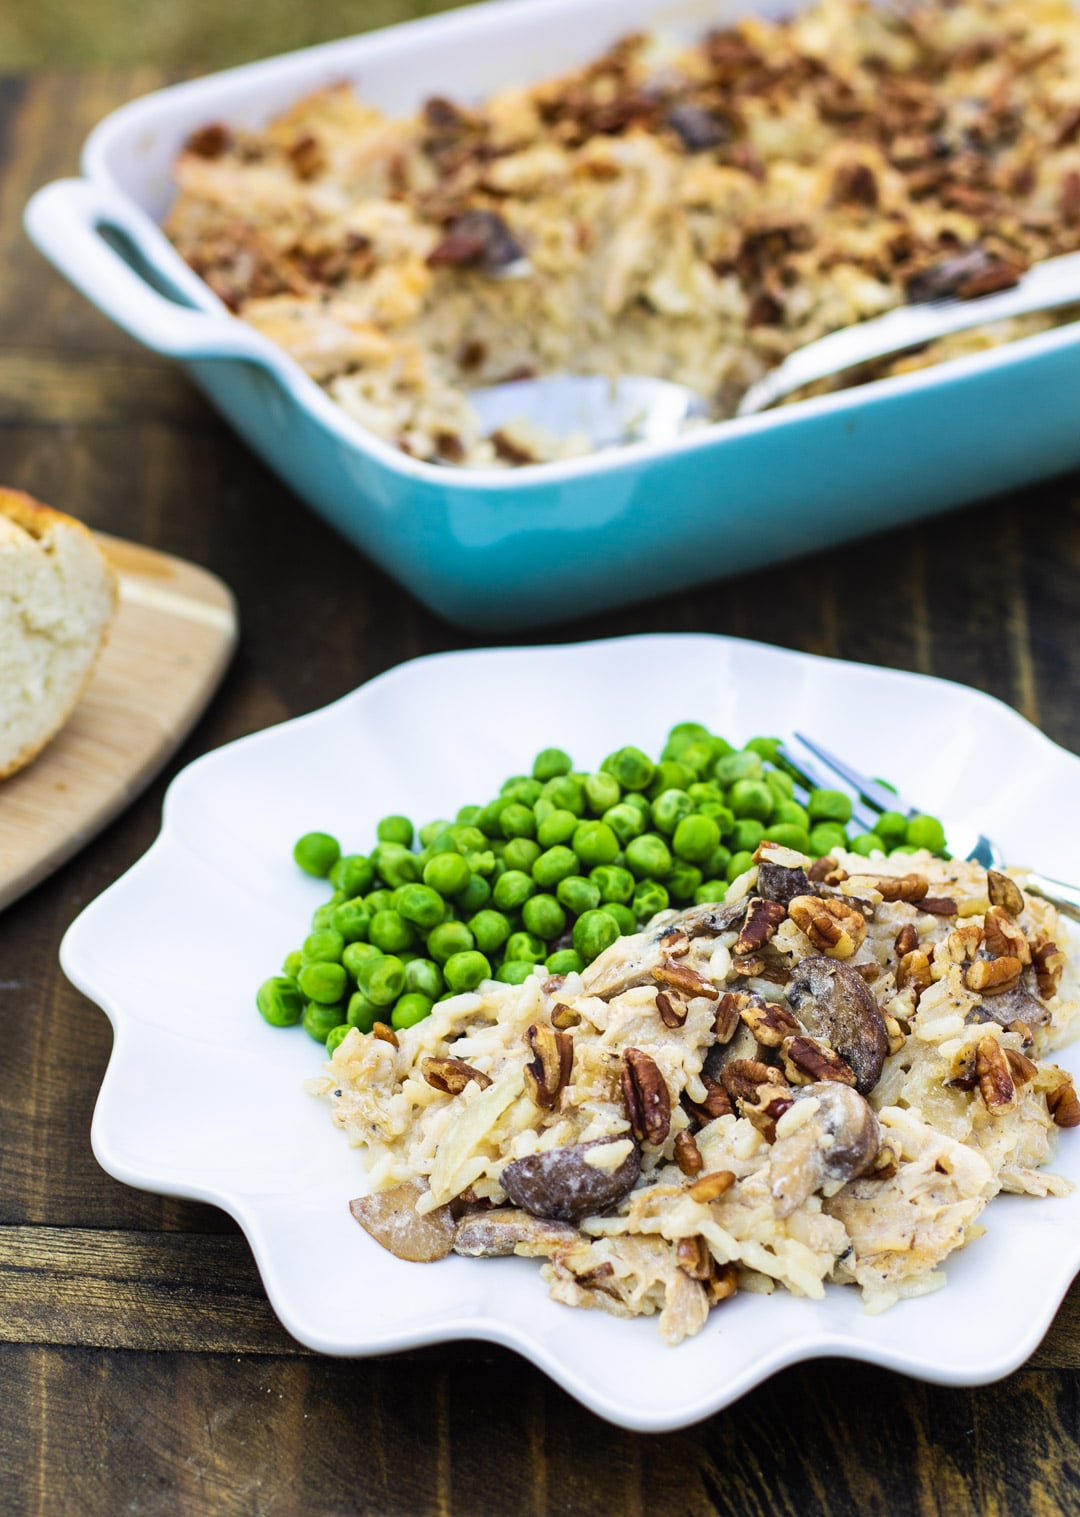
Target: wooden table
(141,1369)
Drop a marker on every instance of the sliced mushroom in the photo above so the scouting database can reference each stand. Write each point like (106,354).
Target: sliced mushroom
(573,1182)
(776,883)
(838,1143)
(742,1045)
(835,1005)
(494,1234)
(391,1218)
(632,960)
(1016,1005)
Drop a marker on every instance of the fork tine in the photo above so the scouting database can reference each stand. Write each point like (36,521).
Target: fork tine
(813,779)
(875,794)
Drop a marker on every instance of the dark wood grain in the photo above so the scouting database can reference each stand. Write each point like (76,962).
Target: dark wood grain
(141,1369)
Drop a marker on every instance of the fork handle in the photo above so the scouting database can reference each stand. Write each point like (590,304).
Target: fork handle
(1065,897)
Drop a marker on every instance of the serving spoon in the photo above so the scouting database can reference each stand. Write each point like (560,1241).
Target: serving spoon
(636,409)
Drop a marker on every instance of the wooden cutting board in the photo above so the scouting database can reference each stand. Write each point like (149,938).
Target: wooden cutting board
(169,645)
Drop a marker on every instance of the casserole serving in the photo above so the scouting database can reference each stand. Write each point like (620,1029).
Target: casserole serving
(481,546)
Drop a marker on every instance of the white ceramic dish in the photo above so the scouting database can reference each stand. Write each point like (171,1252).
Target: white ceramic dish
(202,1099)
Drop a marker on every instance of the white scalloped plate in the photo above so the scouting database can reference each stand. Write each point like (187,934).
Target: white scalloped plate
(202,1099)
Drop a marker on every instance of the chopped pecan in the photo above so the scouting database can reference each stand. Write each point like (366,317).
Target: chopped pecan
(749,965)
(672,1010)
(450,1076)
(1068,128)
(914,970)
(965,275)
(210,141)
(762,920)
(307,157)
(682,977)
(675,942)
(807,1060)
(694,1257)
(1070,198)
(834,927)
(1022,1069)
(1062,1103)
(906,940)
(904,887)
(938,905)
(715,1104)
(762,1093)
(992,976)
(508,450)
(1049,961)
(826,871)
(1003,937)
(688,1155)
(768,1021)
(549,1069)
(897,1035)
(963,1075)
(711,1187)
(384,1033)
(1004,892)
(477,240)
(727,1014)
(995,1080)
(646,1097)
(855,184)
(564,1017)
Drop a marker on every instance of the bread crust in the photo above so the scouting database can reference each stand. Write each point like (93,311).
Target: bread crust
(37,520)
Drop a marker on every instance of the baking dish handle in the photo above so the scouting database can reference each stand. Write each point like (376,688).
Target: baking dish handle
(68,221)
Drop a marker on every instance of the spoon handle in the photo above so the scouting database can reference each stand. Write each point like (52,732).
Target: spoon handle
(1048,285)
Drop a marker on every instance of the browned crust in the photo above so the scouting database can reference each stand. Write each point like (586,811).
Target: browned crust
(37,520)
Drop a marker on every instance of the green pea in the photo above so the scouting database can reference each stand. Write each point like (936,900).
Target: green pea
(317,853)
(322,917)
(352,920)
(740,863)
(280,1002)
(424,976)
(902,851)
(430,831)
(632,768)
(464,971)
(335,1036)
(789,836)
(613,882)
(716,864)
(792,814)
(577,893)
(722,815)
(649,898)
(698,758)
(382,979)
(595,930)
(444,842)
(732,767)
(567,793)
(543,916)
(395,864)
(892,826)
(683,880)
(395,829)
(767,747)
(705,790)
(481,862)
(624,917)
(522,853)
(362,1013)
(523,790)
(751,798)
(669,775)
(354,874)
(926,832)
(421,905)
(669,809)
(517,821)
(477,894)
(825,837)
(682,735)
(695,838)
(648,857)
(355,954)
(323,945)
(867,843)
(550,762)
(746,834)
(448,938)
(513,889)
(709,891)
(829,806)
(514,972)
(564,961)
(293,964)
(490,930)
(556,864)
(410,1009)
(557,827)
(595,843)
(321,1019)
(323,981)
(467,815)
(447,873)
(625,821)
(468,839)
(526,947)
(640,803)
(781,784)
(391,932)
(602,791)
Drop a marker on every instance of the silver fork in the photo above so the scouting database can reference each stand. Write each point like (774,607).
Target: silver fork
(871,798)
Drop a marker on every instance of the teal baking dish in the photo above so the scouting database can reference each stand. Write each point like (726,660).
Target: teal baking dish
(509,550)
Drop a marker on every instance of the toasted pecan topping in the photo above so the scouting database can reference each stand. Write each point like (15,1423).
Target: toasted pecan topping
(1004,892)
(762,920)
(807,1060)
(646,1097)
(711,1187)
(672,1010)
(996,1085)
(834,927)
(687,1155)
(452,1075)
(992,976)
(552,1060)
(1049,961)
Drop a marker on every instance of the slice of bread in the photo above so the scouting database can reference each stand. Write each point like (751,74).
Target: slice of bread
(57,598)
